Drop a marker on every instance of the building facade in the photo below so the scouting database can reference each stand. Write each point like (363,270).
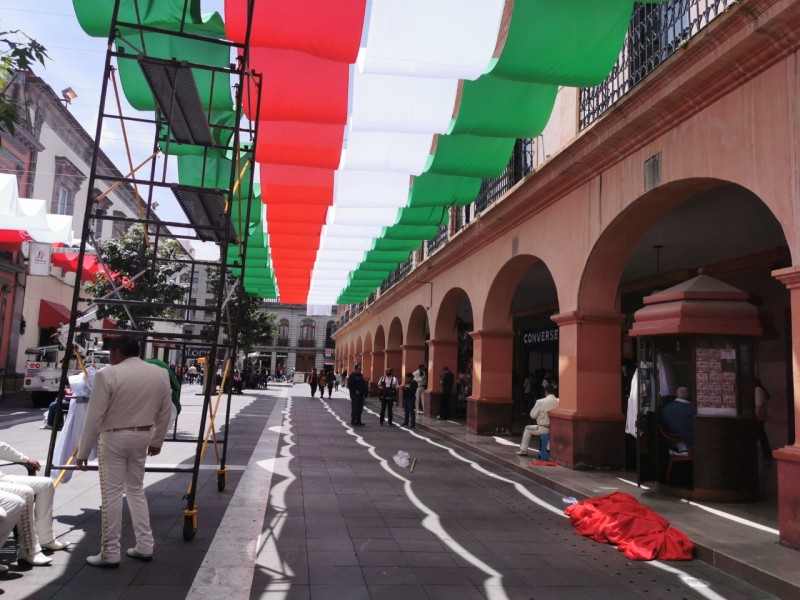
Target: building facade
(51,155)
(684,163)
(303,342)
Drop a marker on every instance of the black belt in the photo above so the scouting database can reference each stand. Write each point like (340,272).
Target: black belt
(140,428)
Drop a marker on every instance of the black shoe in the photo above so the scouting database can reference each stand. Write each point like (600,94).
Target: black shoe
(391,424)
(359,424)
(380,423)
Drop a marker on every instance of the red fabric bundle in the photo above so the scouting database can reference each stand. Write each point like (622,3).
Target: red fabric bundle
(639,532)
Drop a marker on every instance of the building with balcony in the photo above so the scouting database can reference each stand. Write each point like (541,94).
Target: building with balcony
(683,163)
(303,342)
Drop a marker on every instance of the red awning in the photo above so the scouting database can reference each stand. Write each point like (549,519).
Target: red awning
(110,324)
(52,314)
(10,239)
(68,261)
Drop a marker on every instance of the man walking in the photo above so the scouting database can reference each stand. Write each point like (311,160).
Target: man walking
(127,399)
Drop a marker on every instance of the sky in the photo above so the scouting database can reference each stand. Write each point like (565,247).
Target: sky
(77,61)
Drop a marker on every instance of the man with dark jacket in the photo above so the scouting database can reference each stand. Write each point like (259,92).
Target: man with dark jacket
(447,390)
(357,386)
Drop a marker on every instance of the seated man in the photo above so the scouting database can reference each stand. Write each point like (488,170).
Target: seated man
(541,414)
(676,420)
(36,520)
(11,509)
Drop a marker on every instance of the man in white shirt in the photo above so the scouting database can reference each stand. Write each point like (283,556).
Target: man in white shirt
(388,387)
(36,517)
(127,400)
(421,377)
(541,414)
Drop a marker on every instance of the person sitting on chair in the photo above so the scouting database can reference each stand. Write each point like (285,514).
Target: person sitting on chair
(541,414)
(676,420)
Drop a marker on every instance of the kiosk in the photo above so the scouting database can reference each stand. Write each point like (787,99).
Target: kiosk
(699,334)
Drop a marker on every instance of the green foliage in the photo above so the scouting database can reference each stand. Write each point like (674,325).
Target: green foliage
(125,254)
(18,52)
(257,323)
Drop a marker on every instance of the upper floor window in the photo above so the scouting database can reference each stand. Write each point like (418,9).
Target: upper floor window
(66,184)
(283,329)
(307,329)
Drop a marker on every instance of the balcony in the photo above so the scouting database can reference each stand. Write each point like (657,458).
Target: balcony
(656,32)
(283,341)
(306,343)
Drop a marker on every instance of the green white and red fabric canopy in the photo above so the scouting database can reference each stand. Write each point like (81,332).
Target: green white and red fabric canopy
(376,116)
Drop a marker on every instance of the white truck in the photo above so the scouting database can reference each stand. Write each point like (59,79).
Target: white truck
(43,370)
(44,363)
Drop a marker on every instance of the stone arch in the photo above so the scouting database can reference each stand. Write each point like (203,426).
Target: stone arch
(415,349)
(445,326)
(497,310)
(615,245)
(394,348)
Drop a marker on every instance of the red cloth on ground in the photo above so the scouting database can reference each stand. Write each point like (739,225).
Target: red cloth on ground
(639,532)
(543,463)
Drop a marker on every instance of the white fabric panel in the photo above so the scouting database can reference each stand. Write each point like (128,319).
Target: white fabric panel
(319,310)
(370,189)
(321,275)
(385,217)
(342,243)
(379,151)
(351,231)
(395,103)
(442,38)
(332,256)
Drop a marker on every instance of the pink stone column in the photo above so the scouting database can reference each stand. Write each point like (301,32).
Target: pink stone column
(441,353)
(788,457)
(588,428)
(490,407)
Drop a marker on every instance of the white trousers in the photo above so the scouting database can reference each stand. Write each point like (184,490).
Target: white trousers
(13,506)
(418,401)
(36,520)
(530,431)
(120,461)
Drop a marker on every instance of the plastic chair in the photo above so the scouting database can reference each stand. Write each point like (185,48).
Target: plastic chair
(673,441)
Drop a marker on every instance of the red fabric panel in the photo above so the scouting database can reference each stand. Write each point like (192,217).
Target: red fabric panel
(52,314)
(298,87)
(320,27)
(301,185)
(286,213)
(285,228)
(11,239)
(280,253)
(293,241)
(639,532)
(303,144)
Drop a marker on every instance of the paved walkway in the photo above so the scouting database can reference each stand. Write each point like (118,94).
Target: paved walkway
(315,509)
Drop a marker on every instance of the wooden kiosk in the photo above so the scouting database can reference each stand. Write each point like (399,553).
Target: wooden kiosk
(699,334)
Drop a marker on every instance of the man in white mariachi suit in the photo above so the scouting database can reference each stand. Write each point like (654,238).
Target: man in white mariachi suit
(128,399)
(36,518)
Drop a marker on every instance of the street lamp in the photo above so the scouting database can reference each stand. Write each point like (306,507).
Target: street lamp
(68,95)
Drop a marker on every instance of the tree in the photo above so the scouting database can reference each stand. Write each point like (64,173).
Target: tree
(123,255)
(257,323)
(17,53)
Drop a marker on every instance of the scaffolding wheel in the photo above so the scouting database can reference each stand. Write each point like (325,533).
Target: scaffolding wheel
(222,479)
(189,525)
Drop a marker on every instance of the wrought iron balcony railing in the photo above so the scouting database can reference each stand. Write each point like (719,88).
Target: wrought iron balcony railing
(655,33)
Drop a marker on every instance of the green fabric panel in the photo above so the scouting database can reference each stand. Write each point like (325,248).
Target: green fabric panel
(496,107)
(471,155)
(410,232)
(432,189)
(384,244)
(564,43)
(423,215)
(220,120)
(162,45)
(94,16)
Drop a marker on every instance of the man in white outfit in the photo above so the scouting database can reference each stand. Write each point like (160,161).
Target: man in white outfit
(127,400)
(421,377)
(541,414)
(36,517)
(11,507)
